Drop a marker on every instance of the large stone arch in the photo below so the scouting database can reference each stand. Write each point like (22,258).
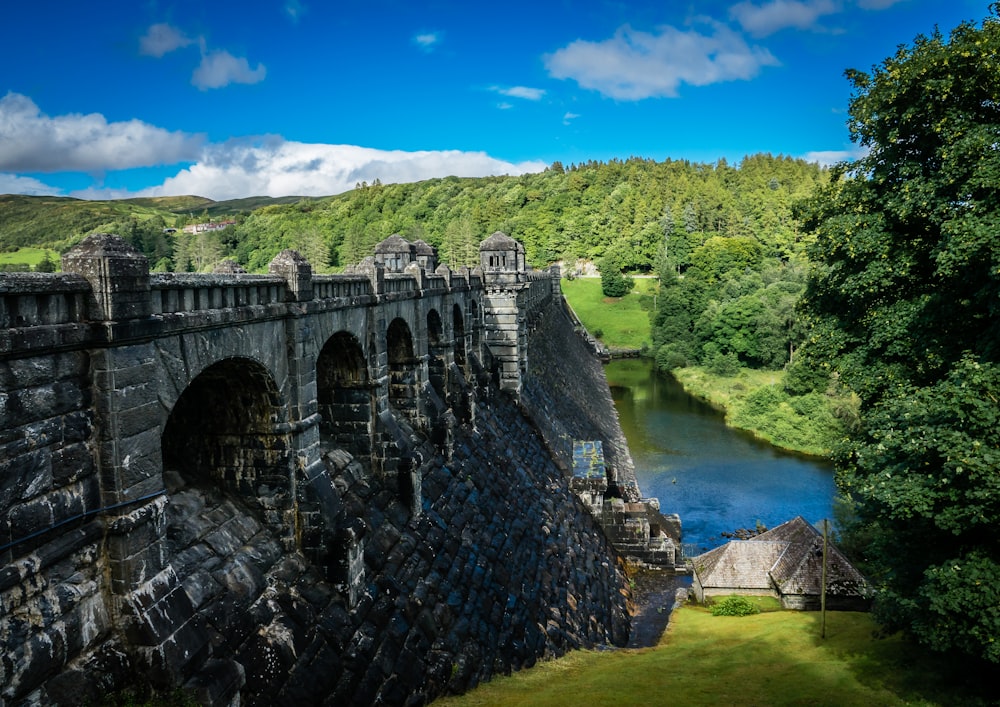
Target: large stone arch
(404,370)
(437,362)
(344,393)
(228,429)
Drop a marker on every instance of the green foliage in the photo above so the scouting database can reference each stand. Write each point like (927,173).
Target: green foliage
(734,606)
(623,323)
(613,283)
(758,401)
(905,303)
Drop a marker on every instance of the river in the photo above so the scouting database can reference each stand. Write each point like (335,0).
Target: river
(715,478)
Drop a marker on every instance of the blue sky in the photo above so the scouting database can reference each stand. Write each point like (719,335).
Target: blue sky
(230,99)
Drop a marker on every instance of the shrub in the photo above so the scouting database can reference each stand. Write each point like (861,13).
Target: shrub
(734,606)
(726,365)
(669,357)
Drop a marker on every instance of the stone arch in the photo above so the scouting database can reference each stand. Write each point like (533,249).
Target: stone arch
(458,327)
(344,395)
(436,361)
(404,370)
(226,430)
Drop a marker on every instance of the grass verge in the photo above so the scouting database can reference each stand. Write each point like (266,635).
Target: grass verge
(30,257)
(771,658)
(620,322)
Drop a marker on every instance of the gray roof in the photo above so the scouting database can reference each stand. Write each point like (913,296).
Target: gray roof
(738,564)
(498,241)
(790,556)
(394,244)
(423,248)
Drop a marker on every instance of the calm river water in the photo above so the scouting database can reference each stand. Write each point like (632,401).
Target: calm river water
(716,478)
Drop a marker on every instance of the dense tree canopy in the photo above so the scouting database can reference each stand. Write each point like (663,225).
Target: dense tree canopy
(906,301)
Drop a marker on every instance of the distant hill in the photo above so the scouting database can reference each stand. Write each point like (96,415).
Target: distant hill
(58,222)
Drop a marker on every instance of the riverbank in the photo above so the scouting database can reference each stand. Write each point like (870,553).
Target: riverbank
(756,402)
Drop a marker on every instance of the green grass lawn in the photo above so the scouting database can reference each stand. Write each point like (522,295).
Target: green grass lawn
(28,256)
(772,658)
(619,322)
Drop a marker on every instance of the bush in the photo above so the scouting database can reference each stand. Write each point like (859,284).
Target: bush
(669,357)
(734,606)
(613,283)
(726,365)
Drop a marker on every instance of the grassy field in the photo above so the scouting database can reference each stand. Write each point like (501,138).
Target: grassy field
(772,658)
(619,322)
(28,256)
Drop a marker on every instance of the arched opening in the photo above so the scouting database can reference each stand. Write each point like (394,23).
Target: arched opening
(222,429)
(477,325)
(436,362)
(229,474)
(404,379)
(458,325)
(344,394)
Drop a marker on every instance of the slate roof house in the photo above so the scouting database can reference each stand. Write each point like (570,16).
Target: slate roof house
(785,562)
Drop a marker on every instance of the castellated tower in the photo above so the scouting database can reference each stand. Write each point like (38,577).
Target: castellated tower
(504,281)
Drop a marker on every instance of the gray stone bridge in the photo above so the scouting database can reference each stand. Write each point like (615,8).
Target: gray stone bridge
(119,389)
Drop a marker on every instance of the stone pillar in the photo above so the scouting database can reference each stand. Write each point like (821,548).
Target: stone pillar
(118,275)
(127,410)
(297,271)
(149,605)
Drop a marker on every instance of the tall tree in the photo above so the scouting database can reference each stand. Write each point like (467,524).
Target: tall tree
(907,306)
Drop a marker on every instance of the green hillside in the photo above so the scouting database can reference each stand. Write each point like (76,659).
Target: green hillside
(57,223)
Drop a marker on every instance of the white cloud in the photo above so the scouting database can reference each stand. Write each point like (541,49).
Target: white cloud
(271,166)
(528,94)
(634,65)
(828,158)
(770,17)
(569,117)
(14,184)
(428,40)
(294,9)
(31,141)
(877,4)
(220,68)
(162,39)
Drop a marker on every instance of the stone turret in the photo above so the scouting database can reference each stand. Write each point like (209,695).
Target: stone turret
(426,255)
(395,253)
(501,254)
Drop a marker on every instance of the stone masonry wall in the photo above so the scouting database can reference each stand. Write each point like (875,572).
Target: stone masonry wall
(567,393)
(504,567)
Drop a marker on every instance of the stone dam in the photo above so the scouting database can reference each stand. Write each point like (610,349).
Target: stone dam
(377,487)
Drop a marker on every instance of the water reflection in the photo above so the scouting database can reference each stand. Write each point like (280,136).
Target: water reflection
(717,479)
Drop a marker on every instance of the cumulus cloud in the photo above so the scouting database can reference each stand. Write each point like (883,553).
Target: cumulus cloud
(828,158)
(272,166)
(15,184)
(31,141)
(161,39)
(428,40)
(770,17)
(569,117)
(634,65)
(528,94)
(220,68)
